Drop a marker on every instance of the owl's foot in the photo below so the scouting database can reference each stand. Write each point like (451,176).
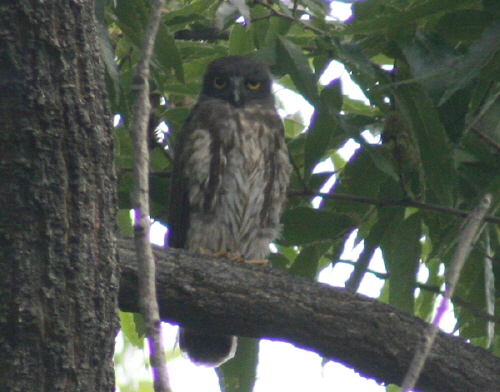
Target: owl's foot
(225,254)
(262,262)
(238,257)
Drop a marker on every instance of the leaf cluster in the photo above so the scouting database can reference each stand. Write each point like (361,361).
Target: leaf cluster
(429,72)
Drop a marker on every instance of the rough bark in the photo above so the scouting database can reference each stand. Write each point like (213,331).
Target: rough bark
(58,269)
(371,337)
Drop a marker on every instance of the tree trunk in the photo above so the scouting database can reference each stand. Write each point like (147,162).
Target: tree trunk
(58,270)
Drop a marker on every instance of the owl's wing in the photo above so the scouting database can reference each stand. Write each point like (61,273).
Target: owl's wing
(178,218)
(197,170)
(278,169)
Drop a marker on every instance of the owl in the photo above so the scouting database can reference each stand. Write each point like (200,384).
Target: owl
(229,180)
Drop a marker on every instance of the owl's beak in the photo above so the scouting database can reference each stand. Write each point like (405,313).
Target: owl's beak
(237,88)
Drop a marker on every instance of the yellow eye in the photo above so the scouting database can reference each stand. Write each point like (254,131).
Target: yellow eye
(253,85)
(220,83)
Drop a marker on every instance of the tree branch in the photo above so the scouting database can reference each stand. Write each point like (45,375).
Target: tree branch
(457,301)
(367,335)
(406,202)
(139,131)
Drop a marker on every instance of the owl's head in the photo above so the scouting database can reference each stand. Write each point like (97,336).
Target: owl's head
(238,80)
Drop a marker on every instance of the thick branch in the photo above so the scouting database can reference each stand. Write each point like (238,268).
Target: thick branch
(372,337)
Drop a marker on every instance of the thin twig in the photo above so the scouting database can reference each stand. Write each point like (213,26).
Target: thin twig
(469,234)
(487,138)
(361,267)
(139,131)
(457,301)
(277,13)
(380,275)
(406,202)
(489,288)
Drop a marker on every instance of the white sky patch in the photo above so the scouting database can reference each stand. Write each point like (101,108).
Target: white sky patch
(292,103)
(340,10)
(336,70)
(338,275)
(157,233)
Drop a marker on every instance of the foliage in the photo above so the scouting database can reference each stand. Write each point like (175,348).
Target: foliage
(429,70)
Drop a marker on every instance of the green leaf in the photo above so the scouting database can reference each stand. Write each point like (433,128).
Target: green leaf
(383,15)
(392,388)
(125,227)
(324,126)
(240,41)
(371,79)
(433,144)
(239,373)
(318,7)
(430,58)
(380,158)
(331,96)
(131,18)
(463,25)
(306,264)
(132,327)
(471,289)
(189,13)
(159,194)
(361,266)
(425,302)
(145,386)
(401,249)
(353,107)
(277,28)
(198,56)
(362,177)
(479,55)
(292,61)
(167,54)
(279,260)
(304,225)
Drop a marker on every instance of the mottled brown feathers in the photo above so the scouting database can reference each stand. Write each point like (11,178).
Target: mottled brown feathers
(230,175)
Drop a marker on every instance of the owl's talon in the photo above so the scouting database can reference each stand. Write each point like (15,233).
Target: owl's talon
(238,257)
(223,253)
(203,251)
(262,262)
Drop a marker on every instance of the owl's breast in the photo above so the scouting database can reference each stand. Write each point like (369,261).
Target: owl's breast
(243,188)
(234,166)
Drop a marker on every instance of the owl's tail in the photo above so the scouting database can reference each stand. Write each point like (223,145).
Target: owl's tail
(206,347)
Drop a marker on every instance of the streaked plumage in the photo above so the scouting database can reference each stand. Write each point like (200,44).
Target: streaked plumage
(230,177)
